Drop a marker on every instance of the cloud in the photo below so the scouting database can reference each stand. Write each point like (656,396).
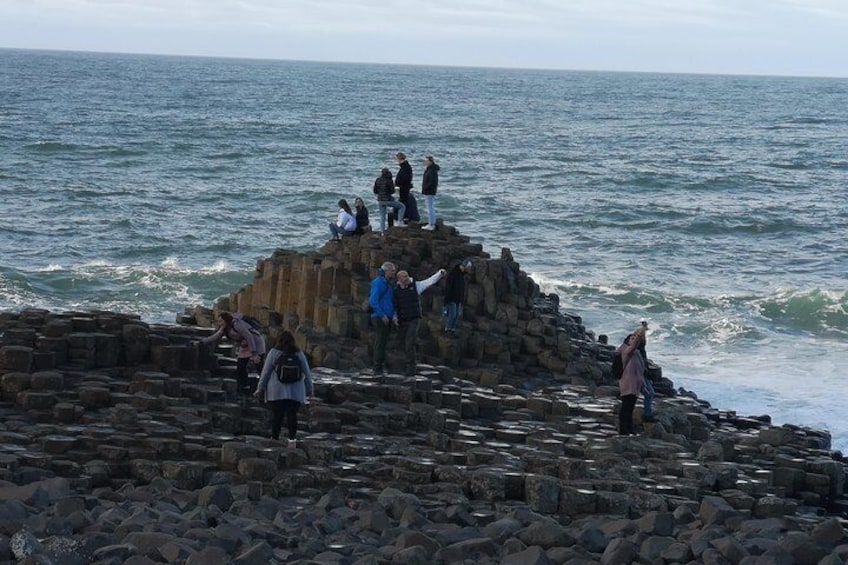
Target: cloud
(664,35)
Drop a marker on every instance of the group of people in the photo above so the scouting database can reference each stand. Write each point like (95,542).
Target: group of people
(394,301)
(405,208)
(284,398)
(634,379)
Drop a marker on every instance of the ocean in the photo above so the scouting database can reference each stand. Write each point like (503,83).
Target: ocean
(713,206)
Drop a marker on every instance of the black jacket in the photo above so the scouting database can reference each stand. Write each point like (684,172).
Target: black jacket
(403,180)
(384,187)
(407,303)
(455,285)
(361,219)
(430,183)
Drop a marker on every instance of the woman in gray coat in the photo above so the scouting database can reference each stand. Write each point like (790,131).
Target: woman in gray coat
(285,398)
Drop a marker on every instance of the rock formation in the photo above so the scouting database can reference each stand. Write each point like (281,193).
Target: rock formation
(125,442)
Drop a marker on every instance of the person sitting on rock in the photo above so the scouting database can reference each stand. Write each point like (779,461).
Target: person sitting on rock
(381,301)
(362,222)
(346,223)
(455,294)
(408,307)
(285,395)
(632,379)
(250,343)
(384,187)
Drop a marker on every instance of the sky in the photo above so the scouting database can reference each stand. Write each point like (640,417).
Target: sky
(761,37)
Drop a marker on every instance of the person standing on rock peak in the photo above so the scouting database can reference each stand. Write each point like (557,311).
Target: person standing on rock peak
(286,383)
(408,306)
(383,315)
(455,294)
(250,343)
(403,181)
(384,187)
(632,378)
(429,186)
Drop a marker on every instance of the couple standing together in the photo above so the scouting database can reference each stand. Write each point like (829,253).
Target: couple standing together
(384,188)
(400,306)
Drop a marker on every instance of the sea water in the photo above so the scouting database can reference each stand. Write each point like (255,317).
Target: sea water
(713,206)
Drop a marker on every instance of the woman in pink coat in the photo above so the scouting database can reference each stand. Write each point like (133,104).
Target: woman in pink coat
(632,379)
(251,345)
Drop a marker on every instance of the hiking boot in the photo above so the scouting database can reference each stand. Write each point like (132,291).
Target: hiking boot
(650,418)
(429,227)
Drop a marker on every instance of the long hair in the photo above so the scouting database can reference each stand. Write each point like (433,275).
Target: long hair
(286,343)
(344,206)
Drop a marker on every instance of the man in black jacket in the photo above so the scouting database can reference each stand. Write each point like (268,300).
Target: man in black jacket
(455,294)
(408,307)
(403,182)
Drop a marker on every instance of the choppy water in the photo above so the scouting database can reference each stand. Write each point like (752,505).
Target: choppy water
(714,206)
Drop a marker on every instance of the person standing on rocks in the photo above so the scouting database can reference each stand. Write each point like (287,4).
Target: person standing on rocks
(403,181)
(384,187)
(632,378)
(455,294)
(285,394)
(408,306)
(648,399)
(429,186)
(362,221)
(383,315)
(250,343)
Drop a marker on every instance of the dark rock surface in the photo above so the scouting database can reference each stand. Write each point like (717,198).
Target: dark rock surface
(124,442)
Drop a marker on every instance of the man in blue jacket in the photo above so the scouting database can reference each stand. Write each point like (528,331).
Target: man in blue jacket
(381,300)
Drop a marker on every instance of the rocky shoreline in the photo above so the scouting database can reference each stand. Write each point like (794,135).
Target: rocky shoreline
(124,442)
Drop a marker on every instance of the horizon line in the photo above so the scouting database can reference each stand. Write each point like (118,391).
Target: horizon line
(423,65)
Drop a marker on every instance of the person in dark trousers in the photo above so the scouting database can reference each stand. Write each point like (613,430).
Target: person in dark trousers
(403,182)
(455,294)
(250,345)
(381,300)
(408,308)
(384,187)
(362,221)
(632,379)
(648,387)
(285,399)
(429,186)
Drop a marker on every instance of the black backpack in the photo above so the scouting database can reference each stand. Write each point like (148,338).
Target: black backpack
(617,365)
(288,368)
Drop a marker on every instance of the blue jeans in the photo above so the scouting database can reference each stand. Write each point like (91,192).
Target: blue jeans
(399,206)
(430,201)
(454,311)
(339,232)
(648,409)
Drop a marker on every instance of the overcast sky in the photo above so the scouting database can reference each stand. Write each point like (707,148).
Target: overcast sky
(783,37)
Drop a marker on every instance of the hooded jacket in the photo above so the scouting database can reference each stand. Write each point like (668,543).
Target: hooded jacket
(384,186)
(403,180)
(430,182)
